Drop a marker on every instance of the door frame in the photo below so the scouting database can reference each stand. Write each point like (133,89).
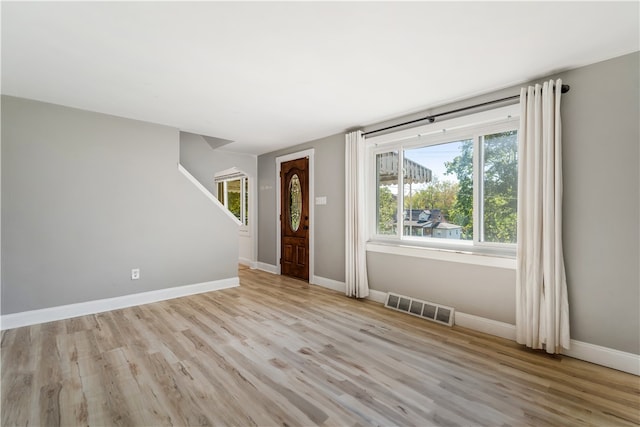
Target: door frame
(312,224)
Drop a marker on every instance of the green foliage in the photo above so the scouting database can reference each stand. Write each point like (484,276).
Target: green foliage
(455,200)
(437,195)
(499,191)
(462,211)
(233,203)
(500,187)
(387,207)
(233,194)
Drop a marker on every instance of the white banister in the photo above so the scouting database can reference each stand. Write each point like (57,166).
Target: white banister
(207,193)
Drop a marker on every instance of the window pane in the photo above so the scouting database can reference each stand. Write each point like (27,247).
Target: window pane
(438,191)
(386,192)
(500,187)
(233,198)
(221,192)
(295,202)
(246,201)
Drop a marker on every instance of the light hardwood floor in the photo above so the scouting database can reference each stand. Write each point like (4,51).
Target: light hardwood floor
(277,351)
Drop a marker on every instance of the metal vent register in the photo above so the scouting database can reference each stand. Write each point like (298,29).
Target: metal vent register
(427,310)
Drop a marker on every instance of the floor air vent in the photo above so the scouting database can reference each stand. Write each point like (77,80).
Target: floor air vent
(427,310)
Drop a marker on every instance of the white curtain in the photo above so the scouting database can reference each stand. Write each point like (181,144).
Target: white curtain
(542,309)
(356,281)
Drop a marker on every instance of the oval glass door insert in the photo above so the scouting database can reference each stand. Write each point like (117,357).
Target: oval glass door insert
(295,202)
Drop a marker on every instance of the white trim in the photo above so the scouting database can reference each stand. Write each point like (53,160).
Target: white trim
(310,153)
(228,175)
(377,296)
(253,217)
(495,115)
(443,255)
(246,261)
(244,207)
(609,357)
(328,283)
(26,318)
(208,194)
(471,127)
(250,230)
(263,266)
(488,326)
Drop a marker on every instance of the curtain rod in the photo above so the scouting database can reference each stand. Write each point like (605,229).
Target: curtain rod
(432,118)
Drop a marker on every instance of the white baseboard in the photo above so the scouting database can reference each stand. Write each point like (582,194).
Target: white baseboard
(26,318)
(488,326)
(269,268)
(246,261)
(377,296)
(327,283)
(336,285)
(616,359)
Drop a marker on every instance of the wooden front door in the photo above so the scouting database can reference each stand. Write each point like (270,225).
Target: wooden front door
(294,218)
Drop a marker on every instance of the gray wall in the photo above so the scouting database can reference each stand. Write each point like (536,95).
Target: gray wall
(602,202)
(86,197)
(329,218)
(601,189)
(202,161)
(479,290)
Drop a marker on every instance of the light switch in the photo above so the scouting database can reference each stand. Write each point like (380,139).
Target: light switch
(322,200)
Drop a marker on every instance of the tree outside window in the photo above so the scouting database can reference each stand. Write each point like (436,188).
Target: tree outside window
(233,194)
(443,204)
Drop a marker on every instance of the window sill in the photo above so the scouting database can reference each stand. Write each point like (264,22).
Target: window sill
(450,255)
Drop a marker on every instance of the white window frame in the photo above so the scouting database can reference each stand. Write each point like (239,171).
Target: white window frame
(468,127)
(244,201)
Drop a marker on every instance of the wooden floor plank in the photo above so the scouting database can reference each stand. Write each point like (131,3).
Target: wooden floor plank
(278,351)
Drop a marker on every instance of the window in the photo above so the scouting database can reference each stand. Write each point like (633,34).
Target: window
(233,193)
(456,188)
(439,203)
(387,187)
(499,163)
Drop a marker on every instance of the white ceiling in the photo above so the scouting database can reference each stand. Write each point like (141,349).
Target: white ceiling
(269,75)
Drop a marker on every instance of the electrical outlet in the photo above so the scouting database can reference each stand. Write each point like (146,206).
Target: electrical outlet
(135,274)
